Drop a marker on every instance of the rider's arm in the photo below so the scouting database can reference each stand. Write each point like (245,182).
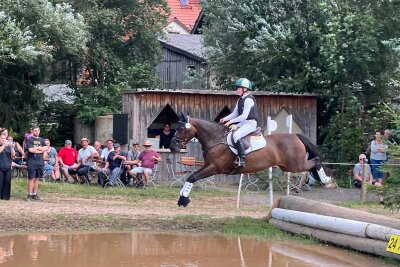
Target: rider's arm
(248,104)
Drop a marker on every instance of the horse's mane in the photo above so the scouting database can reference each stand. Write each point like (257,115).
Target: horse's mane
(211,128)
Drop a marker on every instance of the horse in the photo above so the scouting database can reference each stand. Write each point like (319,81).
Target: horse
(291,152)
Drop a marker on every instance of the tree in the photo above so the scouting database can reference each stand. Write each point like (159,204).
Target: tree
(32,34)
(343,51)
(123,52)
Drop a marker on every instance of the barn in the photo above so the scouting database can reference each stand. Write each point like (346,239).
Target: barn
(150,109)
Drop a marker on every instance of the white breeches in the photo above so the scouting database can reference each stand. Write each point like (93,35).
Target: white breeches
(244,128)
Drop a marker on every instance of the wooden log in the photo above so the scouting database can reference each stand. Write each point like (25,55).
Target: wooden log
(334,224)
(311,206)
(367,245)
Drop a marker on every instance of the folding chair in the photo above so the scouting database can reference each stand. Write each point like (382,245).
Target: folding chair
(117,175)
(188,165)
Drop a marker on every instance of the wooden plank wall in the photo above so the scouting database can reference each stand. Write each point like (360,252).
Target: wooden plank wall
(173,68)
(143,107)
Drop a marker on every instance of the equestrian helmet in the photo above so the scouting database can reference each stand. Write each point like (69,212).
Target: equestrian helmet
(243,82)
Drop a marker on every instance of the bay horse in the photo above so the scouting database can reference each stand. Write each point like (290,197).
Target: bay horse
(291,152)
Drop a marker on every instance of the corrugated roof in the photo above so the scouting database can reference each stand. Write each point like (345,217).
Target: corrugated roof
(213,92)
(190,43)
(186,14)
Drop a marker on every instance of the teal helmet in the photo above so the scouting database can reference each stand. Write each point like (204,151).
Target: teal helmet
(243,82)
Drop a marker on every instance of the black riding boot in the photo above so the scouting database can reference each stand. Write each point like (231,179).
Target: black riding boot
(240,161)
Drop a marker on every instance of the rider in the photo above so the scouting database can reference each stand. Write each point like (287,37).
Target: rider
(245,114)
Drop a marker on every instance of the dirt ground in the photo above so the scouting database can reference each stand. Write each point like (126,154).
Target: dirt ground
(61,212)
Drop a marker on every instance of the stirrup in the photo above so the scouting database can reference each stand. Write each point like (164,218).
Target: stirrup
(240,162)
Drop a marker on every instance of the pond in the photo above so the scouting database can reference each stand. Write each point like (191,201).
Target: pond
(166,249)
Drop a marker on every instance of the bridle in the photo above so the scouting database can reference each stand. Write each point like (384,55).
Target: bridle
(181,142)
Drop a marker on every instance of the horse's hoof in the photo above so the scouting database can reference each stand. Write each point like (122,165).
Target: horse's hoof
(183,201)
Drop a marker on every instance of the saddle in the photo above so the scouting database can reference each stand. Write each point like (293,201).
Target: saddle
(251,142)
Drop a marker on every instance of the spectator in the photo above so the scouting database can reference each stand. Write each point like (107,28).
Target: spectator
(113,166)
(97,146)
(378,156)
(67,157)
(6,155)
(133,154)
(165,135)
(19,152)
(388,137)
(34,160)
(86,163)
(107,150)
(358,174)
(148,159)
(51,167)
(3,132)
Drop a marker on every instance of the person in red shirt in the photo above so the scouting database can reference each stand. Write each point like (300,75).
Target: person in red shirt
(67,159)
(147,159)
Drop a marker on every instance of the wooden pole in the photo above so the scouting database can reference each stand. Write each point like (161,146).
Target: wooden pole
(311,206)
(368,245)
(364,184)
(335,225)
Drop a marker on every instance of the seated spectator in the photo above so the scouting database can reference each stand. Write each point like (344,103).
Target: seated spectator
(86,161)
(97,146)
(107,150)
(358,175)
(148,159)
(133,154)
(51,167)
(67,157)
(113,166)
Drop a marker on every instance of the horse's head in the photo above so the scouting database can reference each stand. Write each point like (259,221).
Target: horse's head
(184,133)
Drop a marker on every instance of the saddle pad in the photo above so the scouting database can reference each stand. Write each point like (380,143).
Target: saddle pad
(256,143)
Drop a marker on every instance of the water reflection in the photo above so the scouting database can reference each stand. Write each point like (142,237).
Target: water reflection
(164,249)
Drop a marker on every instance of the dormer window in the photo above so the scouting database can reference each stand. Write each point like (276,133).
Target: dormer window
(183,2)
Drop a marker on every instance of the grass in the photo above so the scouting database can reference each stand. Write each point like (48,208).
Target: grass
(19,188)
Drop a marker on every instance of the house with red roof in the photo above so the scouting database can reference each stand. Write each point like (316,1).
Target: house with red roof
(183,17)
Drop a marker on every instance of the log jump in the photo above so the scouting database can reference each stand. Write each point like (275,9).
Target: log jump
(361,231)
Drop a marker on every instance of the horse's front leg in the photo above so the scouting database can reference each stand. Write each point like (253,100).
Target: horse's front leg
(187,187)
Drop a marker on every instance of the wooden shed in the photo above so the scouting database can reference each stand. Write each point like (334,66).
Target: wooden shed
(149,109)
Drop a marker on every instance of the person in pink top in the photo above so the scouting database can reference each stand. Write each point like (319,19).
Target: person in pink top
(147,159)
(67,159)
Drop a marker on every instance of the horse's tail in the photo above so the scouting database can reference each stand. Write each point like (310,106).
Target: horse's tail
(312,151)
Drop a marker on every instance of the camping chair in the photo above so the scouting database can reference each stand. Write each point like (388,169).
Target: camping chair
(117,175)
(152,179)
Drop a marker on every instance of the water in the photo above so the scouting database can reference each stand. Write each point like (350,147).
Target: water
(166,249)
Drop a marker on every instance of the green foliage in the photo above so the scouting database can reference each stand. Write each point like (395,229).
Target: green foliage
(123,52)
(32,33)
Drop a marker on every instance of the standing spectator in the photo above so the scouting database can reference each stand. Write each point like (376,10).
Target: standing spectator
(378,156)
(3,132)
(28,135)
(36,147)
(165,135)
(113,166)
(86,163)
(51,167)
(133,154)
(6,154)
(67,157)
(19,151)
(97,146)
(148,159)
(388,137)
